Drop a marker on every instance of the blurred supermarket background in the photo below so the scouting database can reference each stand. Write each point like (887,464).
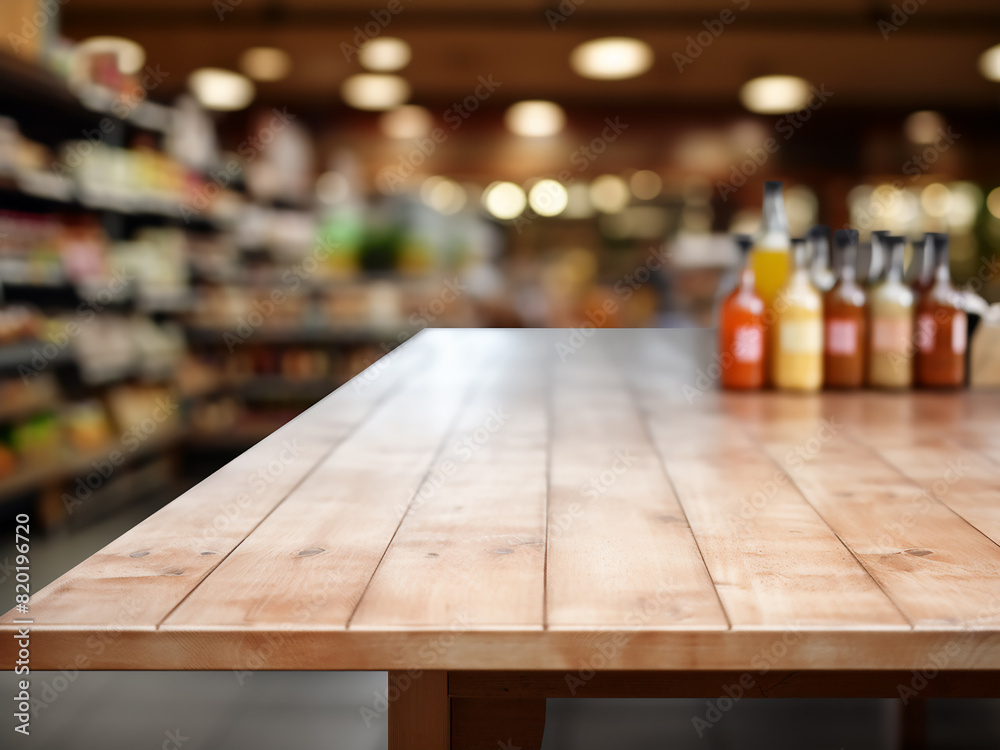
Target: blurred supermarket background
(214,213)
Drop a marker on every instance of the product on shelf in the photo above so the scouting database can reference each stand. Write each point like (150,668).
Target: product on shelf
(890,322)
(942,326)
(741,330)
(878,259)
(844,319)
(797,359)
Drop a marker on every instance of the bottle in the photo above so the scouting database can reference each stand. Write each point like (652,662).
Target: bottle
(878,258)
(922,265)
(890,322)
(942,326)
(844,318)
(730,279)
(797,361)
(819,252)
(769,260)
(741,332)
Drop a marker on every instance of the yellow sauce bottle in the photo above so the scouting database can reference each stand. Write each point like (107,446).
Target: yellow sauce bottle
(769,261)
(797,363)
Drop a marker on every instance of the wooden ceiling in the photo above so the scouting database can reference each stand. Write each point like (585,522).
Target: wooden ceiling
(930,62)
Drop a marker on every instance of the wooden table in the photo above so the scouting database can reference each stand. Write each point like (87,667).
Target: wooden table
(498,517)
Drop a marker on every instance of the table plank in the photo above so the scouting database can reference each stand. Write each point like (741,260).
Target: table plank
(773,559)
(141,576)
(620,551)
(471,550)
(938,569)
(308,563)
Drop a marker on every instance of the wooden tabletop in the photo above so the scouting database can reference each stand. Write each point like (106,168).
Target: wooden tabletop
(558,500)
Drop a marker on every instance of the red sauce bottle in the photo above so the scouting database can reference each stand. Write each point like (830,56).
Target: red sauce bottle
(942,327)
(741,332)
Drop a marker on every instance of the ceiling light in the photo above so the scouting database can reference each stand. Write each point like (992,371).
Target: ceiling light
(578,204)
(936,200)
(535,118)
(130,56)
(443,195)
(265,63)
(406,122)
(993,202)
(609,193)
(645,184)
(775,95)
(385,54)
(548,198)
(923,126)
(375,91)
(504,200)
(215,88)
(612,58)
(989,63)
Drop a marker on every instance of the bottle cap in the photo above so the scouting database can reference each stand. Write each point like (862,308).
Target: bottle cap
(744,243)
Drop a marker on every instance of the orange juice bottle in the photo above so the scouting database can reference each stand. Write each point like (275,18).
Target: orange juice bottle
(769,260)
(797,359)
(741,335)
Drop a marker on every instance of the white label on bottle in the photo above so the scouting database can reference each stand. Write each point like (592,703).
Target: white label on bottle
(959,333)
(926,333)
(842,337)
(802,336)
(748,344)
(891,334)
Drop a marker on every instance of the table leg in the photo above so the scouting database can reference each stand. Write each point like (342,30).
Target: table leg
(912,732)
(423,715)
(419,711)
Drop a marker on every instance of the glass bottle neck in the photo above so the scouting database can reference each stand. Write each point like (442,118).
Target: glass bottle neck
(774,221)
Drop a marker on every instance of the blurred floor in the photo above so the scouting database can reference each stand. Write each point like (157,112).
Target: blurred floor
(303,710)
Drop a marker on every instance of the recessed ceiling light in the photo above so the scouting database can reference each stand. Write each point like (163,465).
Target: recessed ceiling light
(989,63)
(385,54)
(408,121)
(265,63)
(548,198)
(504,200)
(215,88)
(773,95)
(130,55)
(535,118)
(375,91)
(923,126)
(993,202)
(612,58)
(609,193)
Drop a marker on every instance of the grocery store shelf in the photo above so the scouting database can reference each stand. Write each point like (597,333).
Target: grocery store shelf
(296,335)
(31,354)
(72,464)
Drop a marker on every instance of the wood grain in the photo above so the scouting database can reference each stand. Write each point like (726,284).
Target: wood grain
(621,518)
(419,711)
